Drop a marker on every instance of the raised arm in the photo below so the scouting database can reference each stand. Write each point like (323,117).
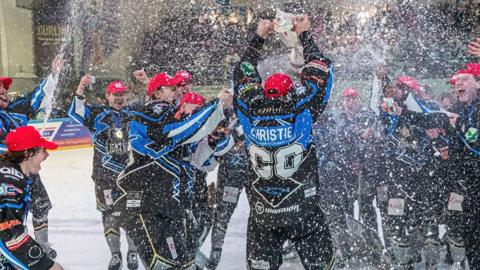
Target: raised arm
(246,81)
(317,74)
(78,111)
(41,96)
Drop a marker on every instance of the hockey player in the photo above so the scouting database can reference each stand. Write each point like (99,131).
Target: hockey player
(156,187)
(203,159)
(17,113)
(109,126)
(355,153)
(277,120)
(350,176)
(26,151)
(232,175)
(407,153)
(467,125)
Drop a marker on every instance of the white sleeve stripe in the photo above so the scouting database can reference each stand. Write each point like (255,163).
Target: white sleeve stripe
(188,124)
(209,125)
(80,107)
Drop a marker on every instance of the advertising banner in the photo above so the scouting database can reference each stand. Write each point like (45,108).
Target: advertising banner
(64,131)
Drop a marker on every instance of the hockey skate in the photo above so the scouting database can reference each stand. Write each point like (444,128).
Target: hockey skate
(289,252)
(48,249)
(132,260)
(115,261)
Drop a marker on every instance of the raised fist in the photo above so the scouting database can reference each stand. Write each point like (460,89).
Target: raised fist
(301,23)
(264,28)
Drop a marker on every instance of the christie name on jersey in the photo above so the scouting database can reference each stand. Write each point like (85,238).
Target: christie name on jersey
(272,134)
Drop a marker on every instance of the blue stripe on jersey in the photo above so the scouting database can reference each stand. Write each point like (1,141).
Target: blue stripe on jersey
(76,117)
(98,125)
(9,256)
(242,104)
(139,141)
(38,95)
(148,118)
(11,205)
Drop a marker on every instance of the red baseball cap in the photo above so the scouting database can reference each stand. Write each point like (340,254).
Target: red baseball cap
(472,68)
(159,80)
(350,92)
(183,77)
(26,137)
(192,98)
(6,81)
(277,85)
(115,87)
(411,82)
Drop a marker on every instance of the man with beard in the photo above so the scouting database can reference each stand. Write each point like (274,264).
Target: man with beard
(467,153)
(277,120)
(17,113)
(109,126)
(157,185)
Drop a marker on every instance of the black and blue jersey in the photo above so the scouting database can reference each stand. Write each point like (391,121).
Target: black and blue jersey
(158,176)
(278,135)
(14,205)
(109,130)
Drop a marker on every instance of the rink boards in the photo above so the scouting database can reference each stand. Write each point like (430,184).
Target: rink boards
(64,131)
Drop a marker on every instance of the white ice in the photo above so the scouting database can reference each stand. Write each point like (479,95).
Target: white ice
(75,226)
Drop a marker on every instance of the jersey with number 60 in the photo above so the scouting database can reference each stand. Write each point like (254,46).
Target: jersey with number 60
(278,135)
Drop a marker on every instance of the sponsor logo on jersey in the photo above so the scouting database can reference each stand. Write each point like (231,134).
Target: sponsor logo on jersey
(260,209)
(11,173)
(259,264)
(272,134)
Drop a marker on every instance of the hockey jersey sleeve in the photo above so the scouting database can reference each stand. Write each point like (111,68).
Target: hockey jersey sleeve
(36,100)
(316,77)
(80,112)
(158,133)
(245,77)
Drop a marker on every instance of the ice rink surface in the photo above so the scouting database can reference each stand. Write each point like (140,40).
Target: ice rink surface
(75,225)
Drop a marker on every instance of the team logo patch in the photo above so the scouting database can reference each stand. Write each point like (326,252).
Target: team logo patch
(247,68)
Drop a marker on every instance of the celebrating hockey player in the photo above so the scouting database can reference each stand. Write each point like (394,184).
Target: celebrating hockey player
(17,113)
(26,151)
(109,126)
(156,187)
(467,124)
(277,120)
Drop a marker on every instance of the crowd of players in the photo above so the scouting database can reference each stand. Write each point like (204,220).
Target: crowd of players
(303,169)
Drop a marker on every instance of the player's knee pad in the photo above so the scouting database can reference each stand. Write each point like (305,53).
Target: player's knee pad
(432,249)
(110,221)
(402,252)
(457,249)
